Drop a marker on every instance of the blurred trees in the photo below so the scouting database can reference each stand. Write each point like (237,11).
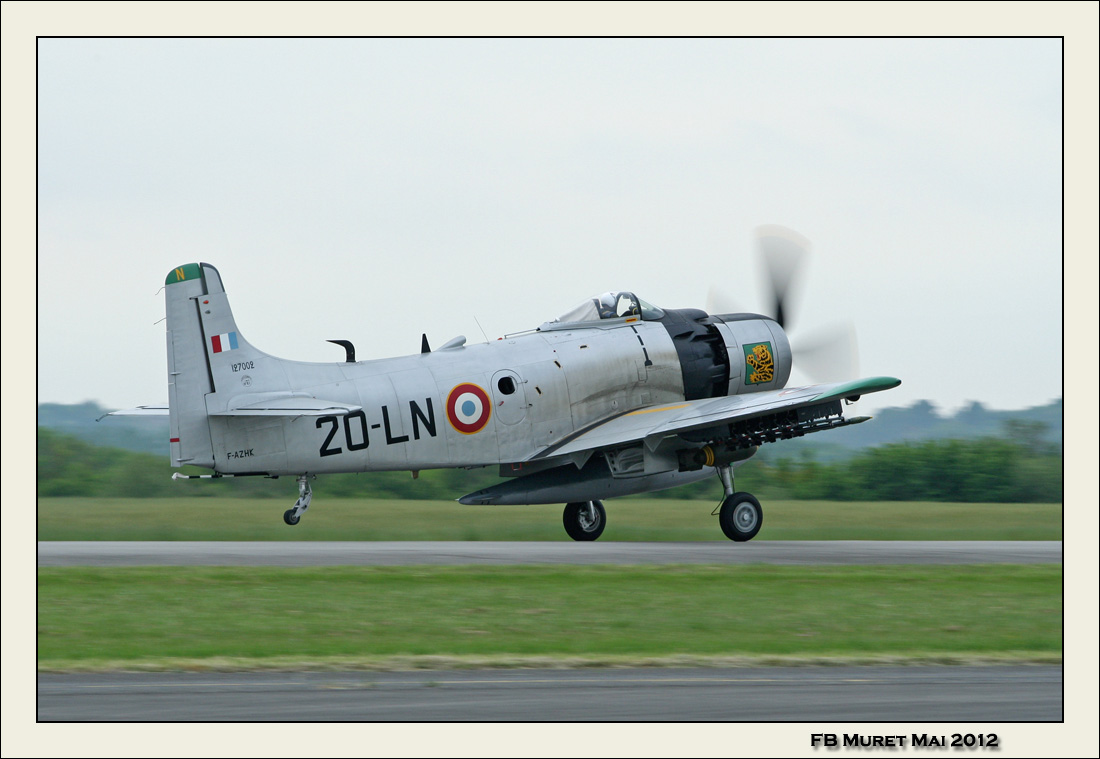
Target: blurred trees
(1015,467)
(68,466)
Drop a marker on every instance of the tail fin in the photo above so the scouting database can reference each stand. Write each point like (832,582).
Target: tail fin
(207,358)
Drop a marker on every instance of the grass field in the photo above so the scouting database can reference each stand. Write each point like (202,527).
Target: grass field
(249,617)
(628,519)
(352,616)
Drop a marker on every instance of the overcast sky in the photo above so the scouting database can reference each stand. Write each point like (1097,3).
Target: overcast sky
(375,189)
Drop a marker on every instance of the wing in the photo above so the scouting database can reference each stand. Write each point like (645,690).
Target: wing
(752,418)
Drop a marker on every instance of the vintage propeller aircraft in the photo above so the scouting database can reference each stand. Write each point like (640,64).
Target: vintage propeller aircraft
(614,397)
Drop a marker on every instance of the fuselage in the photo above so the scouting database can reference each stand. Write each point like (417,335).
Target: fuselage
(469,405)
(238,410)
(495,403)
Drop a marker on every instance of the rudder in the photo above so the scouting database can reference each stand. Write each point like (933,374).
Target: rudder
(189,378)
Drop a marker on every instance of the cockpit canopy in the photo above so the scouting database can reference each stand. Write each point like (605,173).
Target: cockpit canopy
(611,305)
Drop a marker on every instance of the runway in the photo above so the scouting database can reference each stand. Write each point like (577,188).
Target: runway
(317,553)
(787,694)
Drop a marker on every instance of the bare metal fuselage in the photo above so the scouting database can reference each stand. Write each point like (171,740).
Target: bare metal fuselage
(541,387)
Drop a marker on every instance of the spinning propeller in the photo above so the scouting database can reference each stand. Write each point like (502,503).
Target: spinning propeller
(827,354)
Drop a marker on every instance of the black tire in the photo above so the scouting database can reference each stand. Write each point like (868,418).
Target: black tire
(289,518)
(578,524)
(741,517)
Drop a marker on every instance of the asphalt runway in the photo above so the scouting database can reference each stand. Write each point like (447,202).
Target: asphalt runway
(765,694)
(317,553)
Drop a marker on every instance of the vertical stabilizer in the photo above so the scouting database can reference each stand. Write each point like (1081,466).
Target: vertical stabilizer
(236,367)
(210,364)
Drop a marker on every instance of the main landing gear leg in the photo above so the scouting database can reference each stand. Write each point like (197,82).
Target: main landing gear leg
(725,473)
(739,514)
(305,495)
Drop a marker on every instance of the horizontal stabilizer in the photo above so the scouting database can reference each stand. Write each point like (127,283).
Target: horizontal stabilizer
(160,410)
(284,405)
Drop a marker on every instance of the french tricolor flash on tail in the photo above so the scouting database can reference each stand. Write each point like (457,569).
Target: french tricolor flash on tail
(226,342)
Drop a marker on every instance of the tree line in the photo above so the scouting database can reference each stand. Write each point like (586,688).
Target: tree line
(1015,467)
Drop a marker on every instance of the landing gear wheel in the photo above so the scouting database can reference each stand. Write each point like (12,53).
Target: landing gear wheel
(740,517)
(305,494)
(584,520)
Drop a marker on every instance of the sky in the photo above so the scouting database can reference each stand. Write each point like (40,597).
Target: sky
(375,189)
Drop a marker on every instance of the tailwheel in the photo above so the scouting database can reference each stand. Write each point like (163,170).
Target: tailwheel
(584,520)
(740,516)
(305,494)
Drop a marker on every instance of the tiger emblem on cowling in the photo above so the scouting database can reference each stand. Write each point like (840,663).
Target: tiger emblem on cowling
(760,361)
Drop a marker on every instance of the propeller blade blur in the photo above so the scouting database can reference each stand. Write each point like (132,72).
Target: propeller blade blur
(830,354)
(827,354)
(783,252)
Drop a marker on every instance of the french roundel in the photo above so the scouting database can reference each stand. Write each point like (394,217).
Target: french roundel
(468,408)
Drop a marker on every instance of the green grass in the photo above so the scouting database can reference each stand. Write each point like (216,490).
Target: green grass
(628,519)
(136,617)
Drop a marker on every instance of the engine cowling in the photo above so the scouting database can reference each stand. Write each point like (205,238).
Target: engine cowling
(758,350)
(728,354)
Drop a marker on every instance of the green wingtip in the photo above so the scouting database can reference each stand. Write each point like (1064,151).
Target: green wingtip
(859,387)
(183,273)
